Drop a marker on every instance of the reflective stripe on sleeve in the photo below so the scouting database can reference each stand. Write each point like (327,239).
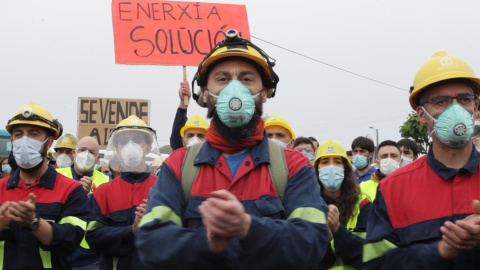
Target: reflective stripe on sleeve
(361,234)
(2,253)
(376,250)
(311,214)
(46,258)
(75,221)
(93,225)
(115,262)
(162,213)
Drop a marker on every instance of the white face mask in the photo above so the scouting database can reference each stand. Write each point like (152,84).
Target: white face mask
(282,144)
(27,152)
(388,165)
(85,161)
(193,140)
(406,160)
(132,154)
(63,161)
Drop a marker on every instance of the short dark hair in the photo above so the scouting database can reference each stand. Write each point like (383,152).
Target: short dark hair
(349,153)
(390,143)
(364,143)
(300,140)
(409,145)
(315,140)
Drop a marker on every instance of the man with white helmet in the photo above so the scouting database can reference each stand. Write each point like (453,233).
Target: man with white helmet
(427,215)
(117,206)
(42,213)
(65,149)
(233,216)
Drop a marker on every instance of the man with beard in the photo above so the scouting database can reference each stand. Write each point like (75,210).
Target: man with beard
(42,213)
(233,217)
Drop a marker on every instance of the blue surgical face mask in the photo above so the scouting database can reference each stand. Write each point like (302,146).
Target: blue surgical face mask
(6,168)
(406,160)
(453,126)
(331,177)
(27,152)
(359,161)
(282,144)
(310,157)
(235,104)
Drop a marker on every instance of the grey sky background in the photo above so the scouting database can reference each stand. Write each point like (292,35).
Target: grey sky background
(53,52)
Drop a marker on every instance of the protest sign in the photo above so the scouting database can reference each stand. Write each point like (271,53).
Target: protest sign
(171,32)
(97,116)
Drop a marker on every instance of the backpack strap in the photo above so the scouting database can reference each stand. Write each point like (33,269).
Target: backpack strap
(189,171)
(278,168)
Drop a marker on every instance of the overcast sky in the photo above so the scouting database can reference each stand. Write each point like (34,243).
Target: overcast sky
(53,52)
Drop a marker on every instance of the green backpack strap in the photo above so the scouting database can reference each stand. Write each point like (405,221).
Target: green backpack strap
(189,171)
(278,168)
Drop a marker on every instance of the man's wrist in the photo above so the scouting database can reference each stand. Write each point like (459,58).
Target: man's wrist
(446,251)
(246,226)
(34,224)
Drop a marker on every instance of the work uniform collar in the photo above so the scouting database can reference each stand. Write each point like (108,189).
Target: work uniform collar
(79,176)
(448,173)
(135,177)
(370,171)
(209,154)
(47,180)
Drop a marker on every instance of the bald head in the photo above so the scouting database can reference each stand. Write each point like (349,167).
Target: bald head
(88,143)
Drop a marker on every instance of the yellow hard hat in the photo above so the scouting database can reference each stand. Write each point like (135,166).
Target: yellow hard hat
(194,122)
(34,114)
(277,120)
(137,124)
(235,46)
(50,155)
(441,66)
(157,162)
(66,141)
(330,148)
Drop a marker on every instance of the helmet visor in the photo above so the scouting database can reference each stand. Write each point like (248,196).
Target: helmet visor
(128,148)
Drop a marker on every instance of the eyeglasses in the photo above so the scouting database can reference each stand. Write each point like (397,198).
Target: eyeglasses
(445,101)
(124,140)
(83,149)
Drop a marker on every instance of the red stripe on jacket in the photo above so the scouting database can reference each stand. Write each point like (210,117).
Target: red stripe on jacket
(119,194)
(62,188)
(255,182)
(408,186)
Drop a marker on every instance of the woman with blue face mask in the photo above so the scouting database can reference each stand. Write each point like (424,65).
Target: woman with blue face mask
(6,169)
(348,209)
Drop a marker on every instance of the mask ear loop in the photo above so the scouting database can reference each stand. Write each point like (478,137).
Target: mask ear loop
(434,120)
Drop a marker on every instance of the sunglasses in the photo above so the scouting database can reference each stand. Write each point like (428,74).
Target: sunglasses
(124,140)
